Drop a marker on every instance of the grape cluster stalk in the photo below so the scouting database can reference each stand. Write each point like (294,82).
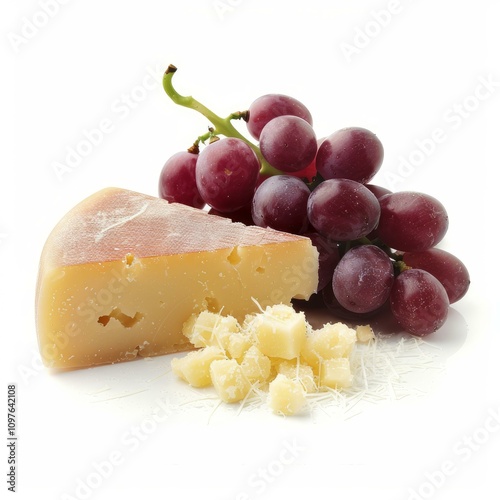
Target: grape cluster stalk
(377,249)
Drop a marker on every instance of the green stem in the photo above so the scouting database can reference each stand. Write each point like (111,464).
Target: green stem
(222,125)
(400,266)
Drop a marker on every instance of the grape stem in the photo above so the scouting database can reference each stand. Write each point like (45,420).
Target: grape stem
(400,266)
(222,126)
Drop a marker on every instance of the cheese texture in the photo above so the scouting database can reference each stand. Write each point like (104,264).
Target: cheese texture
(122,272)
(268,357)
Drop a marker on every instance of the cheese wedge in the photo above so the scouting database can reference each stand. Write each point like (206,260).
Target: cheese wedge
(122,271)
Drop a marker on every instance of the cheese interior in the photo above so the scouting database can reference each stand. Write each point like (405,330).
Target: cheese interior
(122,272)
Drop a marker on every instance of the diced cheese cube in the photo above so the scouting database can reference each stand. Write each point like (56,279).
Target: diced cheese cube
(198,328)
(280,331)
(364,333)
(336,373)
(224,330)
(229,381)
(332,341)
(237,345)
(194,368)
(208,328)
(256,367)
(303,373)
(286,396)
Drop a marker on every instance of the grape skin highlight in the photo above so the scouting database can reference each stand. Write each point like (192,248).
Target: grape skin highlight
(177,183)
(226,174)
(351,153)
(280,202)
(269,106)
(419,302)
(288,143)
(363,279)
(447,268)
(343,210)
(411,221)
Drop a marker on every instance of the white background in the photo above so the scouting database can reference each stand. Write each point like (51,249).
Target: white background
(90,61)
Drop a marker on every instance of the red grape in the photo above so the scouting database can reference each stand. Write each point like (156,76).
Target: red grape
(411,221)
(269,106)
(343,210)
(226,174)
(444,266)
(378,191)
(178,180)
(310,172)
(329,257)
(363,279)
(350,153)
(280,202)
(333,305)
(243,215)
(288,143)
(419,302)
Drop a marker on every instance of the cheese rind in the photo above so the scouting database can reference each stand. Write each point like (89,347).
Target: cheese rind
(122,272)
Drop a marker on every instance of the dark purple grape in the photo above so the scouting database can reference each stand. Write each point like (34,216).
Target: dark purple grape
(448,269)
(288,143)
(411,221)
(177,183)
(243,215)
(310,172)
(280,202)
(350,153)
(329,257)
(333,305)
(269,106)
(226,174)
(378,191)
(363,279)
(419,302)
(343,210)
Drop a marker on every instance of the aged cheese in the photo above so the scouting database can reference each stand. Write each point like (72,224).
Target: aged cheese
(286,396)
(229,380)
(122,272)
(195,367)
(280,331)
(278,352)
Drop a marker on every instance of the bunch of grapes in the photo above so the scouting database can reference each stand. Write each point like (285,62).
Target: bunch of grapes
(377,249)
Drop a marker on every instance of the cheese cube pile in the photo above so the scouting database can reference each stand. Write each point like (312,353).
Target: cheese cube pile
(275,350)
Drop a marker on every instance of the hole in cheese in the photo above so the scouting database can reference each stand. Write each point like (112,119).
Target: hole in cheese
(234,257)
(212,304)
(260,270)
(124,319)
